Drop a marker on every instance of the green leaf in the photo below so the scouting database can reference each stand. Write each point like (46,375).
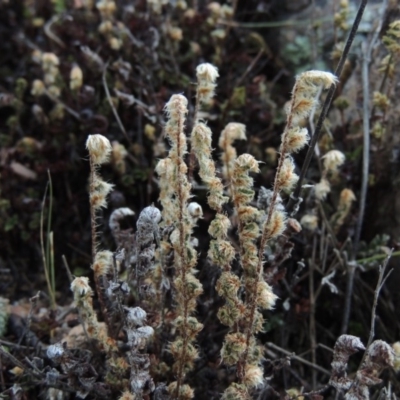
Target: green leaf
(11,223)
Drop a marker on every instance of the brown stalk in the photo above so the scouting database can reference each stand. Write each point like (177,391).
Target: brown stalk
(182,256)
(265,234)
(97,280)
(92,209)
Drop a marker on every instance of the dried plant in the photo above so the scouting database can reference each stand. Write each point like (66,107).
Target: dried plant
(187,300)
(240,311)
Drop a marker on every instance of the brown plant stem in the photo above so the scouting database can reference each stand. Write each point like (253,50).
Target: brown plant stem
(183,261)
(227,168)
(192,157)
(92,209)
(266,234)
(97,282)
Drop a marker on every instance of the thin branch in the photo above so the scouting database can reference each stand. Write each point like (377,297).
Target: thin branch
(36,375)
(45,260)
(50,34)
(65,262)
(15,361)
(366,144)
(312,326)
(110,102)
(351,270)
(298,358)
(328,225)
(274,24)
(19,346)
(67,108)
(239,82)
(367,50)
(92,182)
(381,281)
(376,257)
(295,196)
